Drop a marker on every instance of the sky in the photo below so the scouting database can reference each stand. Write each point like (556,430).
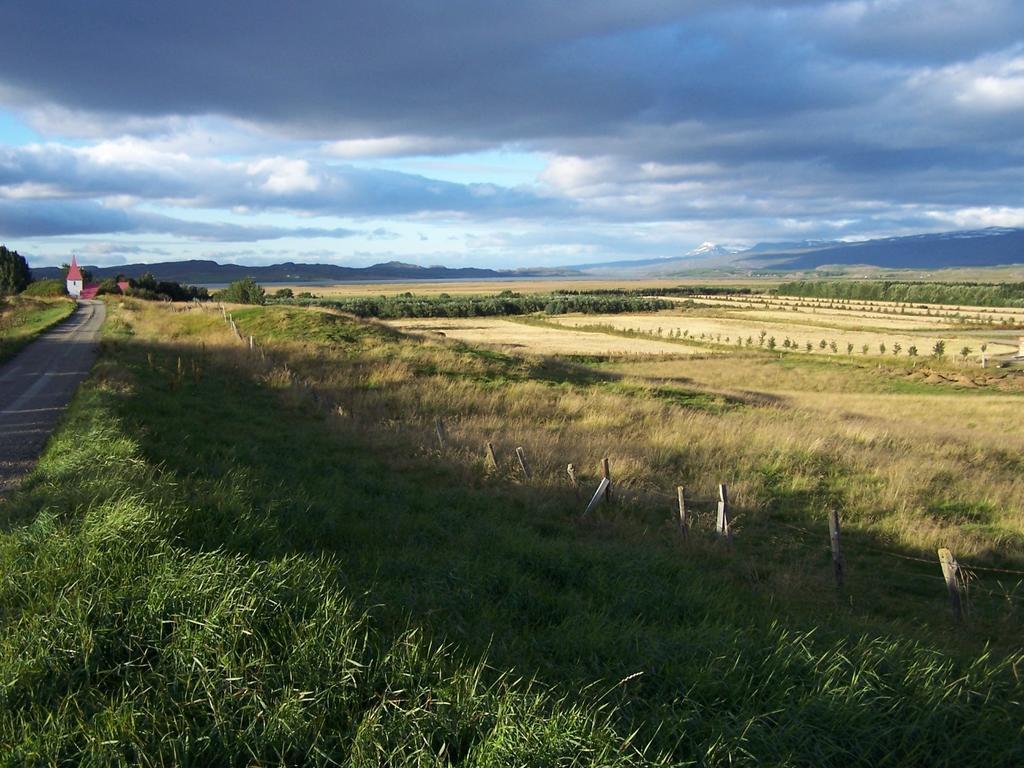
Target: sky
(500,134)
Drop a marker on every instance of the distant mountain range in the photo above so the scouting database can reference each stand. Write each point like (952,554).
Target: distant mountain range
(995,246)
(992,247)
(201,272)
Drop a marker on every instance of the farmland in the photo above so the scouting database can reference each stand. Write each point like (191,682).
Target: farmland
(885,332)
(268,555)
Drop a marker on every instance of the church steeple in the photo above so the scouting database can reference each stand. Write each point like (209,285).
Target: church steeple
(74,279)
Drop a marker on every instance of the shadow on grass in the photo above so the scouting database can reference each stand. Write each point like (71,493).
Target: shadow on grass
(690,641)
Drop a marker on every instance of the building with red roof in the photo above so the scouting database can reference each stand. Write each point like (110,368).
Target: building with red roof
(75,285)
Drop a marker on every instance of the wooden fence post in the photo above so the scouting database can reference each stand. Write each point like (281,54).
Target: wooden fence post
(490,458)
(951,573)
(724,525)
(838,566)
(570,470)
(521,455)
(598,495)
(252,344)
(684,515)
(441,434)
(606,473)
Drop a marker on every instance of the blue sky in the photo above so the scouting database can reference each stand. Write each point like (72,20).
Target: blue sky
(501,134)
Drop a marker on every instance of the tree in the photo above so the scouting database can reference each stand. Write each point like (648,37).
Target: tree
(284,293)
(849,348)
(939,350)
(896,348)
(86,274)
(108,286)
(881,348)
(771,343)
(14,274)
(147,282)
(864,349)
(244,291)
(964,352)
(912,351)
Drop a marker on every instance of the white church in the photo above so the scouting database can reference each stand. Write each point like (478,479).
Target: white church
(75,283)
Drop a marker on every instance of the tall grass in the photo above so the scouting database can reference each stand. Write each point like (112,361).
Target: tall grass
(122,645)
(891,451)
(221,568)
(22,318)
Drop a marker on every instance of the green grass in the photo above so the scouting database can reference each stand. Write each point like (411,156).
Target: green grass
(165,616)
(22,319)
(199,574)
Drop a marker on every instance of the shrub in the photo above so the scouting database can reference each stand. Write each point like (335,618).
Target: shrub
(244,291)
(47,288)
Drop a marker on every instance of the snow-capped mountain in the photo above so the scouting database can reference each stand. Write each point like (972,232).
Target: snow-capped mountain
(995,246)
(704,250)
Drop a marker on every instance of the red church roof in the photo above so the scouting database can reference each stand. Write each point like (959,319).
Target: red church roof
(74,273)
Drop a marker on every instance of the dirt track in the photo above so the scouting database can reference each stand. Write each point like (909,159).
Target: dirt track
(37,385)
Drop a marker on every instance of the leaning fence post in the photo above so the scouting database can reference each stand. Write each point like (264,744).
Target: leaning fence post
(606,473)
(684,514)
(441,434)
(598,495)
(521,455)
(838,566)
(724,524)
(252,343)
(951,573)
(489,457)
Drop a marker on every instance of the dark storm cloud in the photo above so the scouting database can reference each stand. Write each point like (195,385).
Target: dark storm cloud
(507,71)
(822,113)
(33,218)
(134,169)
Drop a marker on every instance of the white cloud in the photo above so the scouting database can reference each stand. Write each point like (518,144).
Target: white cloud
(284,176)
(981,217)
(399,146)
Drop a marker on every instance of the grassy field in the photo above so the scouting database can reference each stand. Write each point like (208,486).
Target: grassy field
(537,339)
(763,323)
(235,557)
(23,318)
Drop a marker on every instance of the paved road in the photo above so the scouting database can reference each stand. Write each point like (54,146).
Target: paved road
(36,386)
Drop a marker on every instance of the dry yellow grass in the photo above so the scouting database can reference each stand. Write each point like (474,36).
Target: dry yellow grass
(726,329)
(931,312)
(919,466)
(530,339)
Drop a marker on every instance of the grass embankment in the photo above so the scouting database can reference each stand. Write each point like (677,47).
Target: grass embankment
(22,318)
(231,560)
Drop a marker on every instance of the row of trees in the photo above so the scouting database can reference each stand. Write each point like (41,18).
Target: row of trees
(15,277)
(14,272)
(148,287)
(972,294)
(506,303)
